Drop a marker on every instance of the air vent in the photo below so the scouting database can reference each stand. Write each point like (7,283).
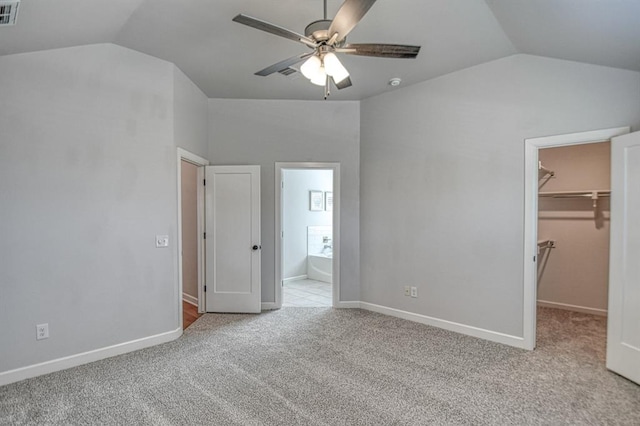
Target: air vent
(8,12)
(287,71)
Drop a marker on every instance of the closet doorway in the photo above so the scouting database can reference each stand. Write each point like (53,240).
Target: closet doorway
(573,247)
(307,222)
(621,334)
(555,198)
(573,227)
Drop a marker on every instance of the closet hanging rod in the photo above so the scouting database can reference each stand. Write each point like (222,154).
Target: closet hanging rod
(544,169)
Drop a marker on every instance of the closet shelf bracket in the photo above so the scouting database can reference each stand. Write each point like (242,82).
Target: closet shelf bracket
(546,244)
(545,170)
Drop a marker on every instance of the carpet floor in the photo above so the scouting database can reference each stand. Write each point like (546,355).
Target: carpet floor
(322,366)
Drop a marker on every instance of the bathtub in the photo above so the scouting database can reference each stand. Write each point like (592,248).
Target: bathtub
(320,267)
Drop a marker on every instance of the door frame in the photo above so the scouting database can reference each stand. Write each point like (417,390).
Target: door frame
(196,160)
(279,168)
(532,146)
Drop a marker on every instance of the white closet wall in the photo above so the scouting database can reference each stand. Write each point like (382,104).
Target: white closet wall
(574,274)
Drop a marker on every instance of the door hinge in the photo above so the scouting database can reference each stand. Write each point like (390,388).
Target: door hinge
(534,258)
(204,182)
(205,288)
(204,235)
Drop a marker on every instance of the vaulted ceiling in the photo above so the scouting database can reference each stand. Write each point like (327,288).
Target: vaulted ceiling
(221,56)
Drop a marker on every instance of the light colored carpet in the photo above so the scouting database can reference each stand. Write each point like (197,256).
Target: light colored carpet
(319,366)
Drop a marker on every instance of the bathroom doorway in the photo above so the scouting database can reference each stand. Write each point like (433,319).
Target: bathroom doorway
(306,268)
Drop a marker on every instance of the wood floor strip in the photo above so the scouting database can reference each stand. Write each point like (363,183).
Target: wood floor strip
(189,314)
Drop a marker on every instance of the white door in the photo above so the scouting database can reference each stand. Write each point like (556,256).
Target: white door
(623,334)
(232,239)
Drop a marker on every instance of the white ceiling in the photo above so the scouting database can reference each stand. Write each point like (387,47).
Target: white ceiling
(220,56)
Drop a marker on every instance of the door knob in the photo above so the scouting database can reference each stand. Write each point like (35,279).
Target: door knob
(256,247)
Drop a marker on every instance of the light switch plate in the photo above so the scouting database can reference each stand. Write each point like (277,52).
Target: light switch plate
(162,241)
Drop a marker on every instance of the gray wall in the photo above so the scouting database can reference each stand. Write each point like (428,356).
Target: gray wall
(576,271)
(87,179)
(264,132)
(442,182)
(191,117)
(296,216)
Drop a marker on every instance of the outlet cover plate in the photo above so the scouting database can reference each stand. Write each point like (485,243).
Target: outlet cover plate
(162,241)
(414,291)
(42,331)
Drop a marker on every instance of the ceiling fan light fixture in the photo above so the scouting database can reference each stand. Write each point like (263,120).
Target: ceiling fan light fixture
(320,79)
(334,67)
(311,67)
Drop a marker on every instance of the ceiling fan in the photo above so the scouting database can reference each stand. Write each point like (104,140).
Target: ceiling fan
(326,38)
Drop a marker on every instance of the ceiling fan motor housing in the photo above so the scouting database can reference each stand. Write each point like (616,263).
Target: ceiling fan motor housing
(318,30)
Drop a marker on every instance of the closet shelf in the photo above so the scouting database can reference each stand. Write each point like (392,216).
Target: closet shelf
(572,194)
(592,194)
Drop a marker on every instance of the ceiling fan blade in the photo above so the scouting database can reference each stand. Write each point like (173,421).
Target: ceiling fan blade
(283,64)
(348,16)
(343,84)
(273,29)
(380,50)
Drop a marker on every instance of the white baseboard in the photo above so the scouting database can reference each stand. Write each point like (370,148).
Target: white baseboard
(190,299)
(47,367)
(567,307)
(297,278)
(481,333)
(268,306)
(348,305)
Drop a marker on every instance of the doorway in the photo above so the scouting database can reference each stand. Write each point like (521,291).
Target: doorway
(555,209)
(573,227)
(573,247)
(307,222)
(190,175)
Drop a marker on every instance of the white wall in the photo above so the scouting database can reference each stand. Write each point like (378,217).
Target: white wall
(442,182)
(576,271)
(264,132)
(87,180)
(296,216)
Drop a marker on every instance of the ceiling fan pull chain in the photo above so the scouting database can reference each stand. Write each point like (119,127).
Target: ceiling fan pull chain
(325,10)
(326,89)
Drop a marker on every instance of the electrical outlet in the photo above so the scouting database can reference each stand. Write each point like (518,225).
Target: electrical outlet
(414,291)
(42,331)
(407,290)
(162,241)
